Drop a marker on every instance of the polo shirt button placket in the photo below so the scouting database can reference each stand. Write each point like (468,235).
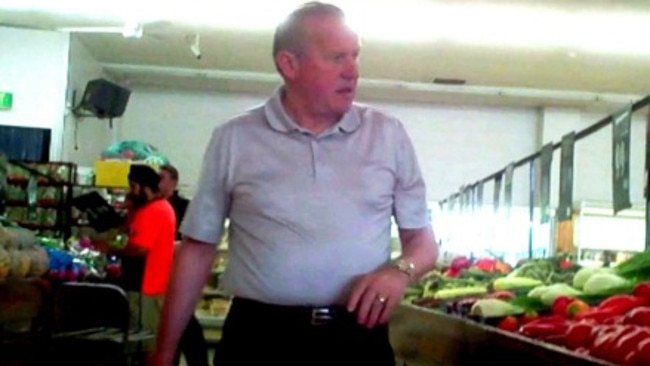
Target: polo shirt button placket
(314,153)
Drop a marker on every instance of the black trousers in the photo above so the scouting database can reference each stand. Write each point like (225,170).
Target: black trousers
(193,345)
(255,333)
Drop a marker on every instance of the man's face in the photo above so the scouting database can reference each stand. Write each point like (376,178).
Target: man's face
(136,194)
(328,66)
(167,185)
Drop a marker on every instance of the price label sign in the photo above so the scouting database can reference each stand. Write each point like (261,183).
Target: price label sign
(621,160)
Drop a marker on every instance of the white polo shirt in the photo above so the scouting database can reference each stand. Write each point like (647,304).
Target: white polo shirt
(308,213)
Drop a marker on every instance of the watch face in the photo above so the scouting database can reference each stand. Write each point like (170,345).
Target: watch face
(404,266)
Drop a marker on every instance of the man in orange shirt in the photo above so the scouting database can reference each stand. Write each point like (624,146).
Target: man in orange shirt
(150,241)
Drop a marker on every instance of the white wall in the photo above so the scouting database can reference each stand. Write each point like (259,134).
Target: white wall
(180,123)
(459,145)
(85,137)
(34,68)
(455,145)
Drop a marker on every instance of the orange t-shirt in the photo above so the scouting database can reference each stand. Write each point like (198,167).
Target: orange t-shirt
(154,228)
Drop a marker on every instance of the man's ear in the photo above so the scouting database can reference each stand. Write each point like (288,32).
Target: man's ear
(287,64)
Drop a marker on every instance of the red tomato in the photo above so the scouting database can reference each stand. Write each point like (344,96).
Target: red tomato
(509,323)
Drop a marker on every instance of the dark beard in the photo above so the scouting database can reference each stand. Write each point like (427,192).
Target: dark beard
(138,200)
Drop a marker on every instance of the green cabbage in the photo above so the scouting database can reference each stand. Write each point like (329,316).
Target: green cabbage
(582,276)
(603,282)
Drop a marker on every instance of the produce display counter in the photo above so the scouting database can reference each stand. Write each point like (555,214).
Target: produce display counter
(425,337)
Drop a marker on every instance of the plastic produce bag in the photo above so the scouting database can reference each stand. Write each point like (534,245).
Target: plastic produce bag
(135,151)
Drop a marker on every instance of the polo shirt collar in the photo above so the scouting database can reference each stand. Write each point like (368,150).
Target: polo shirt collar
(280,121)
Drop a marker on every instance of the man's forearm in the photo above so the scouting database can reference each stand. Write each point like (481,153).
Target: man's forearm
(192,265)
(419,247)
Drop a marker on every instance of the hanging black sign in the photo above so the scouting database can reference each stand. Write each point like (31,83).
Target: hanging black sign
(471,194)
(479,195)
(566,177)
(461,200)
(507,194)
(546,158)
(647,181)
(647,157)
(621,160)
(497,192)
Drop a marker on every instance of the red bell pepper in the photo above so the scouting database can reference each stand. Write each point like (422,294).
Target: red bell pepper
(642,290)
(460,263)
(565,264)
(556,339)
(640,356)
(560,305)
(626,343)
(638,316)
(576,307)
(596,316)
(485,265)
(543,330)
(550,319)
(621,304)
(606,340)
(528,317)
(579,335)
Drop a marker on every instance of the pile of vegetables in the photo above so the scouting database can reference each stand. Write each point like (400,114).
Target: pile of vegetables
(600,312)
(457,288)
(616,330)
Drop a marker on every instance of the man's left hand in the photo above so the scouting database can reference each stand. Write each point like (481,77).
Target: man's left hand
(376,294)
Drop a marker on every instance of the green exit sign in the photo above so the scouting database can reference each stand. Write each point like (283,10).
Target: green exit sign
(6,100)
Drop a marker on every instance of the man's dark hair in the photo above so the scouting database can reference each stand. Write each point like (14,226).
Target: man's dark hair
(173,172)
(290,34)
(145,176)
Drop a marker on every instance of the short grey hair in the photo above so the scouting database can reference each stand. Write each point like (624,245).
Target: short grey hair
(290,34)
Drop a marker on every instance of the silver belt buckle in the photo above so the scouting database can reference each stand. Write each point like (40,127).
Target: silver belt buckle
(321,316)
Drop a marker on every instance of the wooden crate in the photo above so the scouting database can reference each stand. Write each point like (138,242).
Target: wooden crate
(423,337)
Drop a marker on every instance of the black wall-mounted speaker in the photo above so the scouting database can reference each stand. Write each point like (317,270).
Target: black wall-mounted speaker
(105,99)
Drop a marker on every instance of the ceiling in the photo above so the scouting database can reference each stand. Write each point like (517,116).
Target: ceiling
(239,60)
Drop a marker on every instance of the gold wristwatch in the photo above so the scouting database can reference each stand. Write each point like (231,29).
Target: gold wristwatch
(404,266)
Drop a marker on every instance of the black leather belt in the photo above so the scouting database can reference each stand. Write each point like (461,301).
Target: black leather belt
(315,316)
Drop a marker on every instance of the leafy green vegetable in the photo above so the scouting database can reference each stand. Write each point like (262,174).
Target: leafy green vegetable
(637,267)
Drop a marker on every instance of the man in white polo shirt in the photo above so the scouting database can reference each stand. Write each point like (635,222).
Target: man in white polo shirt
(309,182)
